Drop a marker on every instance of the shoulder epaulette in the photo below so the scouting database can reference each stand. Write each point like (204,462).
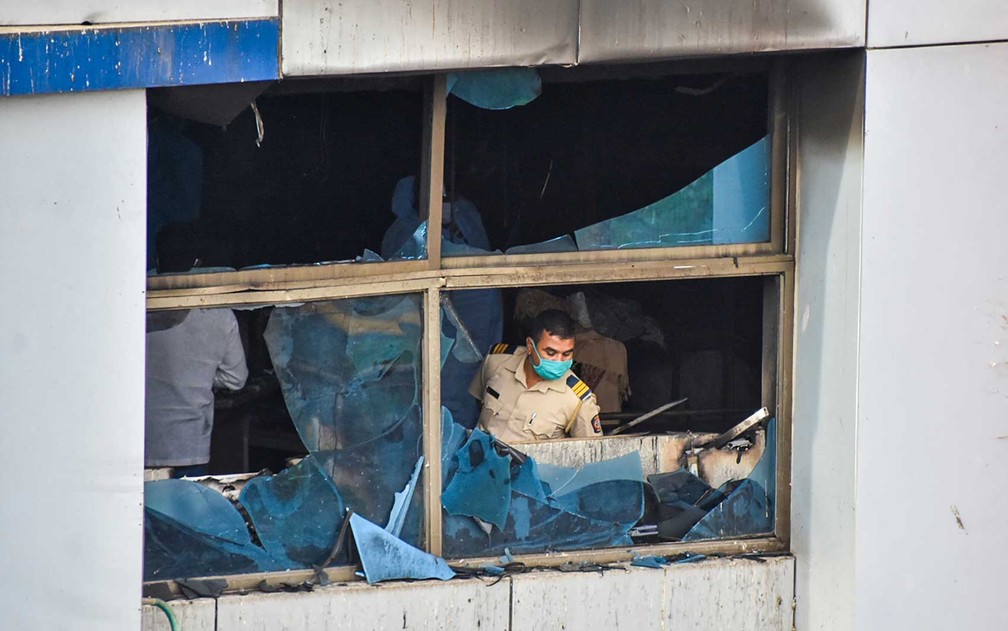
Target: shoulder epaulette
(503,349)
(579,387)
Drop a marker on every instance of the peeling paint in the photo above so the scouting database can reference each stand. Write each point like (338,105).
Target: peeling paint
(41,62)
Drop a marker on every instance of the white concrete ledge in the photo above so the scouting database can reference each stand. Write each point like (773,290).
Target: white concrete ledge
(737,594)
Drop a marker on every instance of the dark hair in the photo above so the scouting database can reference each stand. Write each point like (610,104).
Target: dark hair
(177,248)
(552,321)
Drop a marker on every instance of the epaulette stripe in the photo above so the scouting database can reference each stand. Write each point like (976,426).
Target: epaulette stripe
(498,349)
(579,387)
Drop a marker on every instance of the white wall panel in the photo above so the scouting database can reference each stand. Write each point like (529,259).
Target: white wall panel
(932,454)
(830,156)
(426,605)
(649,29)
(20,13)
(73,207)
(923,22)
(324,37)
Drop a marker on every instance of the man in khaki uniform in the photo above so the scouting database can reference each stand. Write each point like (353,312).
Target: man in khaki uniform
(529,392)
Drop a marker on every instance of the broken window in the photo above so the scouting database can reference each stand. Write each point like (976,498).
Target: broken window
(328,456)
(348,373)
(584,160)
(692,350)
(310,172)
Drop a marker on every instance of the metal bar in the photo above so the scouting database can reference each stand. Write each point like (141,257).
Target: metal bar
(263,298)
(432,172)
(785,394)
(345,574)
(673,253)
(643,417)
(777,125)
(432,418)
(418,280)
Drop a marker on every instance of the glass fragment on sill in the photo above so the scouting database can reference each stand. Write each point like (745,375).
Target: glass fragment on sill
(728,204)
(297,513)
(385,557)
(198,507)
(175,550)
(496,89)
(544,507)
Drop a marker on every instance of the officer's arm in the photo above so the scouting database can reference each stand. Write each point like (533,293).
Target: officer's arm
(587,423)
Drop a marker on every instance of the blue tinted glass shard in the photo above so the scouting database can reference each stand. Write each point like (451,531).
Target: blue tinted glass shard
(350,374)
(554,476)
(745,511)
(532,526)
(200,508)
(296,513)
(497,89)
(678,486)
(453,436)
(526,481)
(481,486)
(728,204)
(608,492)
(369,475)
(173,550)
(386,557)
(676,518)
(624,468)
(653,562)
(447,342)
(475,319)
(765,471)
(402,501)
(348,369)
(559,244)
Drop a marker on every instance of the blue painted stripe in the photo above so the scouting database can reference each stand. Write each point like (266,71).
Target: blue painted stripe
(41,62)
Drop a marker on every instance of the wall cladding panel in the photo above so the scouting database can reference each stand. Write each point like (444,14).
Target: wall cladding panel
(654,29)
(326,37)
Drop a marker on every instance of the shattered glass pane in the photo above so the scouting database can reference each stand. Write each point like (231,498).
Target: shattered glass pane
(481,486)
(748,508)
(728,204)
(529,507)
(560,244)
(176,550)
(745,511)
(349,371)
(296,513)
(201,508)
(475,319)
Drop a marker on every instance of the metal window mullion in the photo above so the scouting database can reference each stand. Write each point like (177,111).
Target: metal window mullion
(432,171)
(431,388)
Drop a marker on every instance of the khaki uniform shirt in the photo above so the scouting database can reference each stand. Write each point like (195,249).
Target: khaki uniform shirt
(515,413)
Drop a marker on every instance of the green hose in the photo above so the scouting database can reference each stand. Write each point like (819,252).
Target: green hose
(163,606)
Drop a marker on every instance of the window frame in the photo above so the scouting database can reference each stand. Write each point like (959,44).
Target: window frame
(773,260)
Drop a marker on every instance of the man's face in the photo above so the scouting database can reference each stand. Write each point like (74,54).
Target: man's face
(551,347)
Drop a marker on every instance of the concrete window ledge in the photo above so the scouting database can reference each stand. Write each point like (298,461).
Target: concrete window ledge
(740,594)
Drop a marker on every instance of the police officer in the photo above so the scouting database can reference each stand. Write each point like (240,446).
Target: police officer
(529,392)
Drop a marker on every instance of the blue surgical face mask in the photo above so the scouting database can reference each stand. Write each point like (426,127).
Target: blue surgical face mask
(550,368)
